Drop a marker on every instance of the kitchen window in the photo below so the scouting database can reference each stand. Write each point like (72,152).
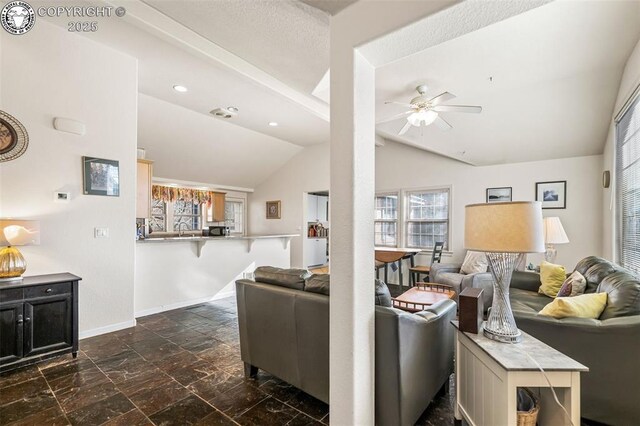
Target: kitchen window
(427,217)
(386,220)
(176,213)
(234,215)
(628,186)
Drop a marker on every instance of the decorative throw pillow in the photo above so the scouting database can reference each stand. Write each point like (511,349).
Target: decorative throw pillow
(474,262)
(383,296)
(583,306)
(574,285)
(552,277)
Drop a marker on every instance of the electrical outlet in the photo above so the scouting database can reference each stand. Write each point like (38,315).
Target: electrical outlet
(101,232)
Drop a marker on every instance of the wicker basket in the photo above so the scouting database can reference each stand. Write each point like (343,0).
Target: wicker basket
(529,418)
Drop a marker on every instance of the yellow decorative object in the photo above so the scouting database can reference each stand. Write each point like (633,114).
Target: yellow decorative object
(583,306)
(12,264)
(552,277)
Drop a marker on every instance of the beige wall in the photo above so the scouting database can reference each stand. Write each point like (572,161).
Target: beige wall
(51,73)
(401,167)
(630,81)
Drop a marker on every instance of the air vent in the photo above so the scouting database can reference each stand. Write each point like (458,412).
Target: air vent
(225,113)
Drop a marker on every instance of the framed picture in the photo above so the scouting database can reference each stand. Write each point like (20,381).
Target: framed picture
(499,195)
(273,209)
(552,194)
(101,177)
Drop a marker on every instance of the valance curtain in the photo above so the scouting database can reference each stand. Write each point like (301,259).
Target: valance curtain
(172,193)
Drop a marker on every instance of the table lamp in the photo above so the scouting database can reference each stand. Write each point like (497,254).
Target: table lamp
(16,233)
(503,231)
(553,234)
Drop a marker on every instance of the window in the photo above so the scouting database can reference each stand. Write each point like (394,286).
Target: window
(628,186)
(177,213)
(386,220)
(234,215)
(427,218)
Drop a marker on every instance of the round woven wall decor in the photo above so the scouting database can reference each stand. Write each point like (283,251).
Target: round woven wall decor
(14,138)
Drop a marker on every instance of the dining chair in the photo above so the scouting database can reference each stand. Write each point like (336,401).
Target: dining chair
(416,271)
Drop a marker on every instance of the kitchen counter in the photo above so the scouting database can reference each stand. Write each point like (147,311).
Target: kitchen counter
(202,240)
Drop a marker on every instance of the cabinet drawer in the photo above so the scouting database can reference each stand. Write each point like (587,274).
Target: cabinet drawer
(11,294)
(47,290)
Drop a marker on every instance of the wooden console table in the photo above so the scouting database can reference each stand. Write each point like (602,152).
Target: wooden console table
(38,319)
(488,374)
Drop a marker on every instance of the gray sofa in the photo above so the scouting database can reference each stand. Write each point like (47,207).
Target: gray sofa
(284,330)
(609,346)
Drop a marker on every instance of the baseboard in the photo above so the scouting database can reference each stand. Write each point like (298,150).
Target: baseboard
(107,329)
(183,304)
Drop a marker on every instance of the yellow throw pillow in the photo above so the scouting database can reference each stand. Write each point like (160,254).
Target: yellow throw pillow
(583,306)
(552,277)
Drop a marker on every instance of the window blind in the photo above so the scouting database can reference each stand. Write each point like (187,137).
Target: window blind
(628,186)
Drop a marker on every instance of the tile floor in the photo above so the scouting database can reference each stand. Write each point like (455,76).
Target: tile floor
(175,368)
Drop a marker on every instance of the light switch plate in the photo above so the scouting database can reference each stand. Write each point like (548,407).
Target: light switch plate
(101,232)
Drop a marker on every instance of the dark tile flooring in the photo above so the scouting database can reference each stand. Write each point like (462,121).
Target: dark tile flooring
(175,368)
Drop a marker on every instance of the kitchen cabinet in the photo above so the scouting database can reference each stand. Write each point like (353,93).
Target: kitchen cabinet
(317,208)
(317,251)
(312,208)
(216,211)
(323,209)
(144,173)
(38,319)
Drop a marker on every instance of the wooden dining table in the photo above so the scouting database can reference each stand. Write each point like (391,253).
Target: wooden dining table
(390,255)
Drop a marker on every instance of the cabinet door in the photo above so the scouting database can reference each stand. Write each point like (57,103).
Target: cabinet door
(143,193)
(11,322)
(219,199)
(323,214)
(47,324)
(318,251)
(312,208)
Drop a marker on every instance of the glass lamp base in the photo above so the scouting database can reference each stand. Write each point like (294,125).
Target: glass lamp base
(501,326)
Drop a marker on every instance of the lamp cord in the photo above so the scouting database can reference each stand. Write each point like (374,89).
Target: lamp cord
(555,396)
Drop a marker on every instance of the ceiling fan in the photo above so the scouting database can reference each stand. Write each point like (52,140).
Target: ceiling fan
(424,110)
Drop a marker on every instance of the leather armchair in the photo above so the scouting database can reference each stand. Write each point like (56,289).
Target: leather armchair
(449,274)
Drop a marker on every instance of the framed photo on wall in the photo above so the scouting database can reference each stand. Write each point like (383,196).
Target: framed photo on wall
(273,209)
(101,177)
(499,195)
(552,194)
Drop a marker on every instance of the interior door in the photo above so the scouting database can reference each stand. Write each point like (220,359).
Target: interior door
(11,322)
(47,324)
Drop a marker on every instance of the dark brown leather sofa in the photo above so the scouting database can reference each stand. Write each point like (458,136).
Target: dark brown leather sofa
(609,346)
(284,330)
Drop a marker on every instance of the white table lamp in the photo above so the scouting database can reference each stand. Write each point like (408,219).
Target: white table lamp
(16,233)
(553,234)
(503,231)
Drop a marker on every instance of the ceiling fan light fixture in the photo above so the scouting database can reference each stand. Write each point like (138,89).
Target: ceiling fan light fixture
(423,116)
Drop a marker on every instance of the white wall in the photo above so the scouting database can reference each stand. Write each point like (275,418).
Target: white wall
(402,167)
(170,275)
(191,146)
(630,81)
(48,73)
(308,171)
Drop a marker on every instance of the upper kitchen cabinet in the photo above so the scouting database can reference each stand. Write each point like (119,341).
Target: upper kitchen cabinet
(143,199)
(216,212)
(317,208)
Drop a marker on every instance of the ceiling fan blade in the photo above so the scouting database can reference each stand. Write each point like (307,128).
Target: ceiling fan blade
(393,117)
(458,108)
(404,129)
(399,103)
(442,97)
(442,123)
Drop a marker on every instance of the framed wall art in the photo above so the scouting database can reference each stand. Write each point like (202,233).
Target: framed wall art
(552,194)
(273,209)
(499,195)
(101,177)
(14,138)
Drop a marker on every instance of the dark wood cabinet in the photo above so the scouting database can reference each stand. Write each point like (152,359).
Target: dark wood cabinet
(38,319)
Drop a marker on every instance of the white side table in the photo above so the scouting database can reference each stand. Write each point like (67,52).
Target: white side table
(489,372)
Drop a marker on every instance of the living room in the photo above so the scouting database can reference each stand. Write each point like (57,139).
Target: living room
(550,101)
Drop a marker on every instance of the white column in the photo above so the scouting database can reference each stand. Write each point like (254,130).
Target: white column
(352,249)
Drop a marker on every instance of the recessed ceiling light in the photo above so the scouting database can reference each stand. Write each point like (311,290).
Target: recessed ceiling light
(232,109)
(179,88)
(273,124)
